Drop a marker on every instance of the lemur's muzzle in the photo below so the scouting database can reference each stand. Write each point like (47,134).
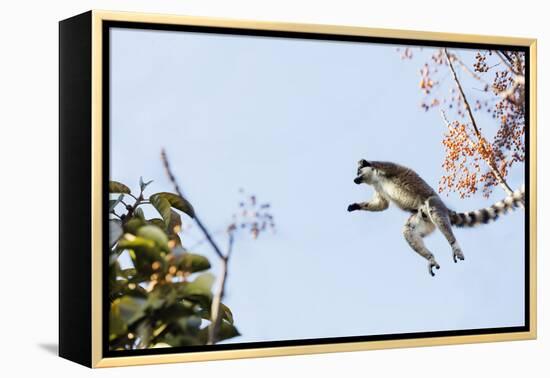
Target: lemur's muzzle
(358,180)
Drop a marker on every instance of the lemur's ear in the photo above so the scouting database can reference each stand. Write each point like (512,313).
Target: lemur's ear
(363,163)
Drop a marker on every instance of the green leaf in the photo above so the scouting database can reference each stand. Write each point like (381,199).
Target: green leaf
(138,213)
(133,224)
(174,312)
(225,311)
(128,272)
(163,295)
(190,325)
(227,314)
(203,282)
(133,242)
(155,234)
(225,331)
(131,275)
(157,222)
(143,184)
(117,326)
(177,339)
(145,254)
(131,308)
(163,207)
(174,226)
(176,202)
(172,229)
(199,290)
(190,262)
(120,288)
(117,187)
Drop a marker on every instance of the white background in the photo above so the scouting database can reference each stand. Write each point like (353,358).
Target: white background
(29,189)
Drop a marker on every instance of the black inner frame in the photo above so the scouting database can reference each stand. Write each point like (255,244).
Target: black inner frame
(107,25)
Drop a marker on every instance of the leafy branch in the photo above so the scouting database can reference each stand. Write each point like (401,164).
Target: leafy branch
(156,302)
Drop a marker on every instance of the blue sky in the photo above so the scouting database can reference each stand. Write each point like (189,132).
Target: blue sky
(287,120)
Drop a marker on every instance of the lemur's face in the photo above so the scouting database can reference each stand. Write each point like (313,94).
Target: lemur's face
(365,172)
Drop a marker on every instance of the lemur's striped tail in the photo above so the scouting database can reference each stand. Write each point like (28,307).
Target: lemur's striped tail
(476,217)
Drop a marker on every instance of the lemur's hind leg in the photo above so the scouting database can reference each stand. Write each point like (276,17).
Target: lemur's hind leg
(439,215)
(418,226)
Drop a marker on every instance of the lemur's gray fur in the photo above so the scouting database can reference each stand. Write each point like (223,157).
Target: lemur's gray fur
(406,189)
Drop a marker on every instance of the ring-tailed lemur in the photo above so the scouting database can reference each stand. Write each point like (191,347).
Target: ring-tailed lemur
(406,189)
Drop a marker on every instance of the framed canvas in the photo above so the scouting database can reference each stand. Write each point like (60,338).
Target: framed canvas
(236,189)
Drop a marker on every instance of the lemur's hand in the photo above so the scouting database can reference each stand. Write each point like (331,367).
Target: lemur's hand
(354,206)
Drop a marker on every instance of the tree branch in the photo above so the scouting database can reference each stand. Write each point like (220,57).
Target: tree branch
(514,67)
(519,80)
(467,69)
(132,208)
(215,314)
(508,62)
(477,133)
(196,218)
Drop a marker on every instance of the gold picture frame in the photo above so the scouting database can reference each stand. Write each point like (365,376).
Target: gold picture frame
(86,33)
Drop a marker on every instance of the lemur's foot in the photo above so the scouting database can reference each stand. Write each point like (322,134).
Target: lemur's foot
(354,206)
(457,254)
(431,265)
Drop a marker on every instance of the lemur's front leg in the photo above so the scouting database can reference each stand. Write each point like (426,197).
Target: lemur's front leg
(377,203)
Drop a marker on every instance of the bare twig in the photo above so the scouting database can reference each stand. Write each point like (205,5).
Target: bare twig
(116,215)
(444,116)
(477,133)
(505,54)
(196,218)
(467,69)
(202,241)
(515,67)
(215,313)
(506,60)
(519,80)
